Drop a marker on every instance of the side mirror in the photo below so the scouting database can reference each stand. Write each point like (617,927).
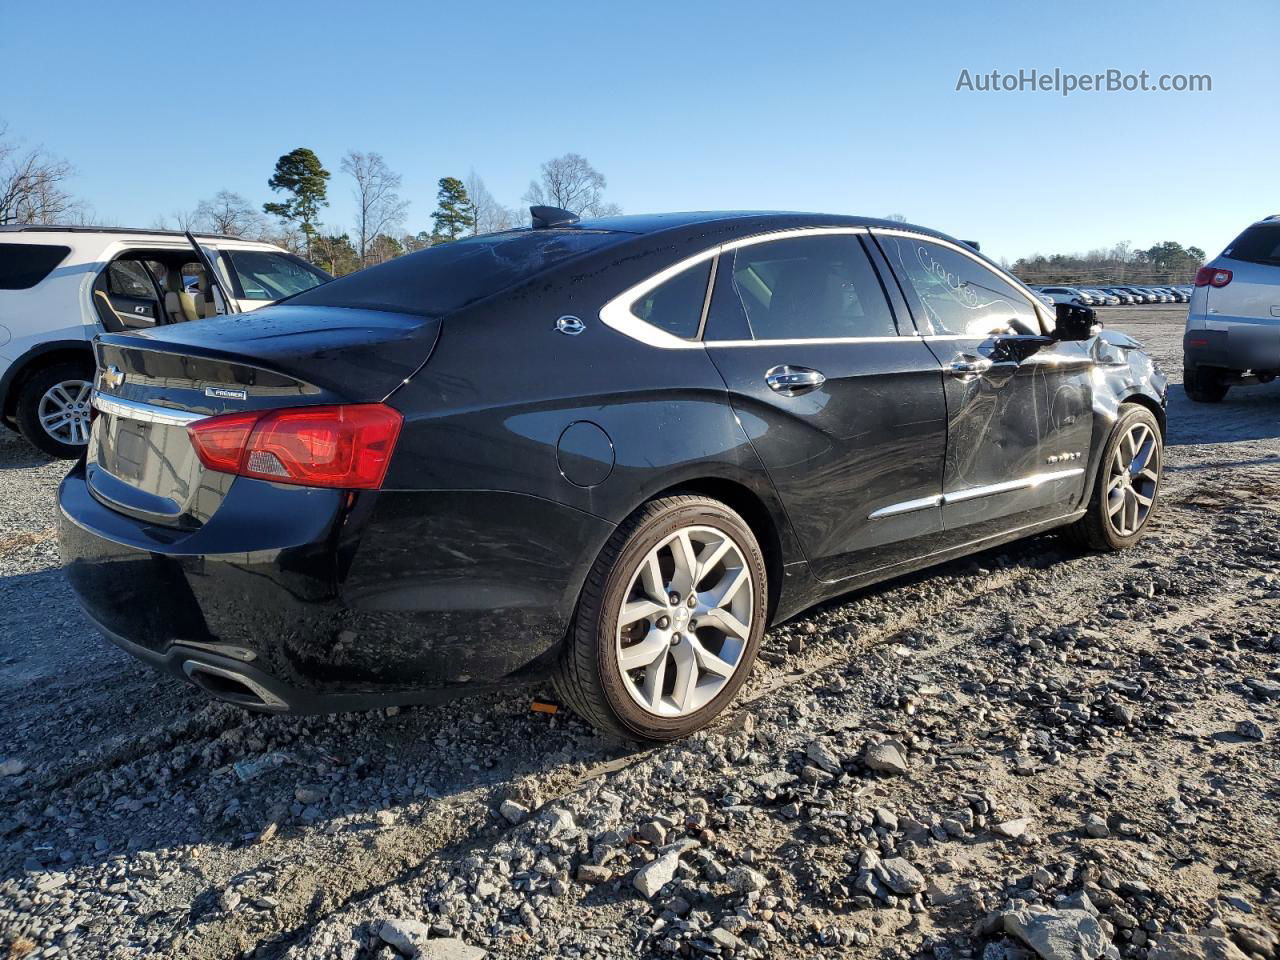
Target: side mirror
(1075,323)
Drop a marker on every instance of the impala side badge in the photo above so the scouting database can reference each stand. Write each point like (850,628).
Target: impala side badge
(570,326)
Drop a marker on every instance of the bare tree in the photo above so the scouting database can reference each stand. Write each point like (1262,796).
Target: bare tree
(379,208)
(31,185)
(178,220)
(489,215)
(230,213)
(571,183)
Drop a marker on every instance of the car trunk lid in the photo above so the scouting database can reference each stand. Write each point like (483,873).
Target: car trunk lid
(152,386)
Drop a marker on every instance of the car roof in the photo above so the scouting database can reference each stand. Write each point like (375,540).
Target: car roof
(58,228)
(747,221)
(710,227)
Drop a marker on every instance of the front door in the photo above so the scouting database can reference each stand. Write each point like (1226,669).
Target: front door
(845,410)
(1019,403)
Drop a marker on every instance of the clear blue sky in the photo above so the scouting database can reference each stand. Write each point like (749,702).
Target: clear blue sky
(840,107)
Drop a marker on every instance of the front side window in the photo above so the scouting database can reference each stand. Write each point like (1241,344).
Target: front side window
(23,265)
(816,287)
(676,304)
(959,295)
(264,275)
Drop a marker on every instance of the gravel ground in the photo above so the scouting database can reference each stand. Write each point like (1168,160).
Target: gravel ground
(1029,752)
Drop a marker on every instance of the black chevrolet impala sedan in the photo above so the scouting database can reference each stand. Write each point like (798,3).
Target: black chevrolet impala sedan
(608,452)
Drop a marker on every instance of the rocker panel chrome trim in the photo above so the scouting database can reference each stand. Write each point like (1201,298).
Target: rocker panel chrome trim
(974,493)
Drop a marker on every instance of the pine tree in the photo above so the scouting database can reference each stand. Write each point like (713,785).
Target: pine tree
(300,173)
(455,215)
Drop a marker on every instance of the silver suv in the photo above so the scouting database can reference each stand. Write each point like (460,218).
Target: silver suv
(1233,323)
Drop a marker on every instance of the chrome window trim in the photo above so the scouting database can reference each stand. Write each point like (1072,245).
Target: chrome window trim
(789,234)
(1033,301)
(801,341)
(144,412)
(616,313)
(975,493)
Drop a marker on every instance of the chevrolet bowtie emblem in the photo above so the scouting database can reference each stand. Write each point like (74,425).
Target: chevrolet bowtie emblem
(112,377)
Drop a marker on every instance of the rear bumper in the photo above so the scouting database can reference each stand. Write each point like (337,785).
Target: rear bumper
(1238,347)
(230,678)
(334,604)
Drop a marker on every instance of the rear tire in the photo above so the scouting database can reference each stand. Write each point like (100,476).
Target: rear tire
(53,409)
(661,644)
(1126,492)
(1202,387)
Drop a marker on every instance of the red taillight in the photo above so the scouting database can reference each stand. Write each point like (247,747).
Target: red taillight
(220,441)
(1212,277)
(346,446)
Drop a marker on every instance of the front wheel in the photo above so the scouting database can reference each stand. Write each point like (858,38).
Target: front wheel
(669,621)
(1127,489)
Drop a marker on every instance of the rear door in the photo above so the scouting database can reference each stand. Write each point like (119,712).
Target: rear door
(1019,403)
(843,404)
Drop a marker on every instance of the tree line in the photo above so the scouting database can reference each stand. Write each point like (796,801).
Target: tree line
(1167,262)
(464,207)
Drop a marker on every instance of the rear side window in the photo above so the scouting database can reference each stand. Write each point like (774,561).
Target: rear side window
(129,279)
(1259,244)
(676,305)
(805,288)
(959,295)
(452,275)
(23,265)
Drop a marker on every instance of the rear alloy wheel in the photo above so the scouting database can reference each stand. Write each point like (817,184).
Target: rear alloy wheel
(669,623)
(1128,486)
(54,409)
(1202,387)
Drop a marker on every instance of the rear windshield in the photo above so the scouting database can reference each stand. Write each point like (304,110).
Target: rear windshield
(1259,244)
(451,275)
(23,265)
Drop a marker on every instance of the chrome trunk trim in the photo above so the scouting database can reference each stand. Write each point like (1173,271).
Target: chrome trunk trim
(144,412)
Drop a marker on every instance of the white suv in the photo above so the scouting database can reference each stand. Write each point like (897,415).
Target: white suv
(1233,322)
(60,286)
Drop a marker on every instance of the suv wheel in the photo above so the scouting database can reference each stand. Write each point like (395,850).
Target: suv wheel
(1127,490)
(53,409)
(669,621)
(1202,387)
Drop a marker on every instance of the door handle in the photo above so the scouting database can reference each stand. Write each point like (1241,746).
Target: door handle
(970,366)
(793,381)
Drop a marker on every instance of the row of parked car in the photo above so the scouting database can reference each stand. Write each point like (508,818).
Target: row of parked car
(1113,296)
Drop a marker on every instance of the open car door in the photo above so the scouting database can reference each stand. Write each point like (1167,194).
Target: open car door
(229,304)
